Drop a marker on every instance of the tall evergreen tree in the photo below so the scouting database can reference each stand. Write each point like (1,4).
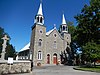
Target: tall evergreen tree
(88,29)
(10,51)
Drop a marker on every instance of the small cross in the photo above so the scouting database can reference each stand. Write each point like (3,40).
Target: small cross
(40,1)
(54,26)
(5,38)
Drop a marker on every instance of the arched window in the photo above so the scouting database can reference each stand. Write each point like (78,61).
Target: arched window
(39,56)
(41,20)
(64,28)
(37,19)
(55,44)
(55,35)
(40,42)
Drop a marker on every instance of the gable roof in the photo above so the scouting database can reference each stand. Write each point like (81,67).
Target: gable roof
(49,32)
(26,47)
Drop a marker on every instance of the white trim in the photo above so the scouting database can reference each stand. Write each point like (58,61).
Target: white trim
(54,56)
(49,32)
(39,55)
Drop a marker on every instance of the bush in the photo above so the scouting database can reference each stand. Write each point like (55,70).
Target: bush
(89,65)
(39,64)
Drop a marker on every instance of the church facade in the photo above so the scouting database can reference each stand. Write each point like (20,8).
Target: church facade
(52,47)
(46,47)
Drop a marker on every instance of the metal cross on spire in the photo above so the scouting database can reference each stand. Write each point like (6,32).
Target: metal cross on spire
(54,26)
(40,1)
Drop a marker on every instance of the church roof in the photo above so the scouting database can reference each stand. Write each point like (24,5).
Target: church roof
(47,33)
(26,47)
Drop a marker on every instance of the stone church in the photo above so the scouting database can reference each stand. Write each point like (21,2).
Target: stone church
(47,47)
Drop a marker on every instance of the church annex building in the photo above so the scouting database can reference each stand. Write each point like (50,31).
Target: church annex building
(46,47)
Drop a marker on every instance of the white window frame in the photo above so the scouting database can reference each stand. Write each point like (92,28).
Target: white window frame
(40,42)
(39,55)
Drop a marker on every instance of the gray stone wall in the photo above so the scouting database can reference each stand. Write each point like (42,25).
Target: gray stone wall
(67,37)
(36,35)
(16,67)
(47,46)
(32,41)
(50,47)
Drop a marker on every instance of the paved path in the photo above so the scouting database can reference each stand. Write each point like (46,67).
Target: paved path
(58,70)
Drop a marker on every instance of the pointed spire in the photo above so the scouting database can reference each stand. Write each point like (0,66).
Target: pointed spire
(63,19)
(64,27)
(40,9)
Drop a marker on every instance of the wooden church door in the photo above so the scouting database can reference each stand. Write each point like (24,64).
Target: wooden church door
(55,58)
(48,59)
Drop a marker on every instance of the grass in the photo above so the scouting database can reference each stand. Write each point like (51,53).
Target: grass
(93,69)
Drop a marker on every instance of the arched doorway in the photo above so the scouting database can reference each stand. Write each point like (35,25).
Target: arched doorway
(54,58)
(48,58)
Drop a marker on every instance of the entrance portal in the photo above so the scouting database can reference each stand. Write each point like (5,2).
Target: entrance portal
(48,59)
(55,58)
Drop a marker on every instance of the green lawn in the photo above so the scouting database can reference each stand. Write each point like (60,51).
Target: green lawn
(96,69)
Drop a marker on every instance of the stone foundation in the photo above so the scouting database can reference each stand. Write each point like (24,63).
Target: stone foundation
(16,67)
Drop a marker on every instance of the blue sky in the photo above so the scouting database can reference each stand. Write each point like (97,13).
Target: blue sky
(17,16)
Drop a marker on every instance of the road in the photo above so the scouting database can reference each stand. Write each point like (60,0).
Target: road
(57,70)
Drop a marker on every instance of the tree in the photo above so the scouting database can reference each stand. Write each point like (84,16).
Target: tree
(10,50)
(91,52)
(71,30)
(1,35)
(89,23)
(88,30)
